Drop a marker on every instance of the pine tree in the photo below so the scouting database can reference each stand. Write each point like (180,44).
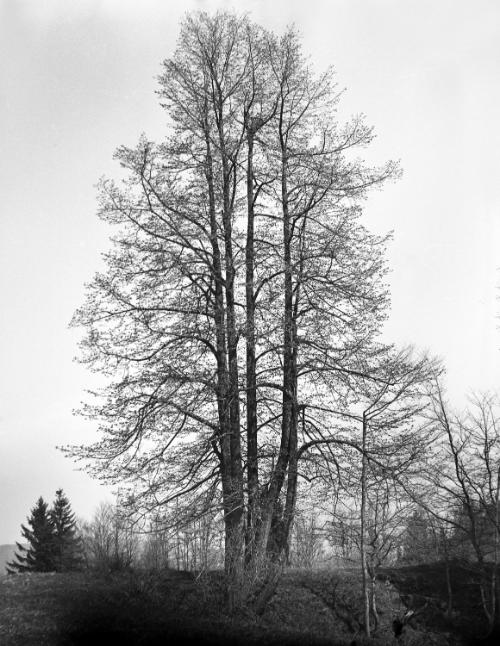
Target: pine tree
(38,556)
(67,544)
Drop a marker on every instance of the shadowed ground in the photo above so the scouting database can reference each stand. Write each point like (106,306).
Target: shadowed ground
(310,608)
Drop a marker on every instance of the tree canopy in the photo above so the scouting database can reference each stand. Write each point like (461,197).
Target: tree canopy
(38,554)
(238,317)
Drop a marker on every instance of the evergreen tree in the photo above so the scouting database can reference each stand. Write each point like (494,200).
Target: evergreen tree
(38,556)
(67,544)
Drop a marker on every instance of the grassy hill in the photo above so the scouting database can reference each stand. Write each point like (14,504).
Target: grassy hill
(309,609)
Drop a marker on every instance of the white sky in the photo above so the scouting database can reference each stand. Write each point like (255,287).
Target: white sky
(77,79)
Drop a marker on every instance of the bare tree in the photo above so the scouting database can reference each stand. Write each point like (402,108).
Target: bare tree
(110,542)
(157,551)
(467,486)
(389,398)
(241,291)
(394,431)
(308,537)
(426,538)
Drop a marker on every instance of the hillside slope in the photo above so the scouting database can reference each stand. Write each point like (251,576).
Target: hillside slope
(6,554)
(309,609)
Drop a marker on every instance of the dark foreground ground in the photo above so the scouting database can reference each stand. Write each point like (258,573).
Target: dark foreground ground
(310,608)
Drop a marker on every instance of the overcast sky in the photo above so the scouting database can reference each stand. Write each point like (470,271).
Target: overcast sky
(77,79)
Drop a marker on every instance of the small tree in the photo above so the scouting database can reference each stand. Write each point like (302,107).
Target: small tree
(389,433)
(67,543)
(38,556)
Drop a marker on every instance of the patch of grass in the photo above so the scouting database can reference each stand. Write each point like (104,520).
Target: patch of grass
(309,609)
(78,609)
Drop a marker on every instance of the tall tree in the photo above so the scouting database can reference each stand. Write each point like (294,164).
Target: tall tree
(67,543)
(241,291)
(38,554)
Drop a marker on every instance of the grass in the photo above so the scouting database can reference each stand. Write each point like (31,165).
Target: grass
(309,609)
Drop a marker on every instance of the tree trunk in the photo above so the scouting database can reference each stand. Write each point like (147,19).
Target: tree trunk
(227,392)
(251,385)
(274,531)
(449,590)
(364,572)
(373,599)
